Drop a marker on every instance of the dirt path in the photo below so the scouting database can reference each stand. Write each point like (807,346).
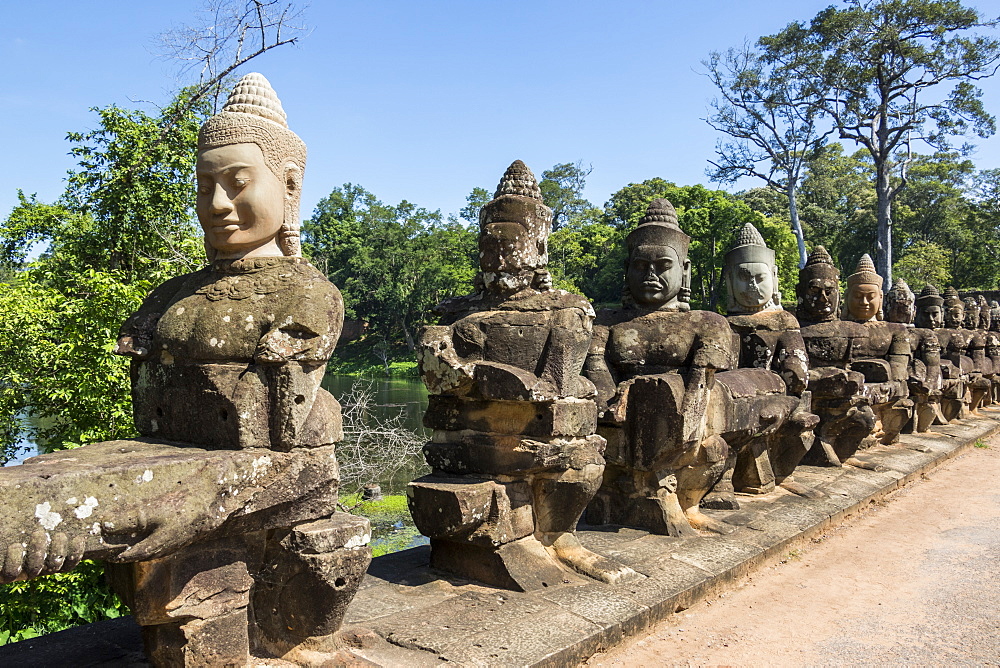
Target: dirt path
(915,580)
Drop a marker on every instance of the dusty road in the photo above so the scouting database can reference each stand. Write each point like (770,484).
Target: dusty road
(914,580)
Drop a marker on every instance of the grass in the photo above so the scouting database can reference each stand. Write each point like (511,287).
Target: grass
(982,444)
(392,526)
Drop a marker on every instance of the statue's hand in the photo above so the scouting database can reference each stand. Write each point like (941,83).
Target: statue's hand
(441,368)
(129,346)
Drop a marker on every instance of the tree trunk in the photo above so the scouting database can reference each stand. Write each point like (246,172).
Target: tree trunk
(410,344)
(883,239)
(793,213)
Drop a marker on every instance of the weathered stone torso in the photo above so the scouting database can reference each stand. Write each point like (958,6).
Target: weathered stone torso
(772,340)
(664,341)
(833,343)
(517,331)
(232,356)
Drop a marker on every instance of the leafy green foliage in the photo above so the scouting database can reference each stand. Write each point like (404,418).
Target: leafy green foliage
(56,337)
(52,603)
(893,72)
(562,191)
(393,264)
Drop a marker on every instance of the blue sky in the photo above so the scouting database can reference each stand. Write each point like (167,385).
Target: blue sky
(414,100)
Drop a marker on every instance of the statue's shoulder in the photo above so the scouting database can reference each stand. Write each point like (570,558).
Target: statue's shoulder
(768,321)
(609,317)
(705,321)
(546,300)
(831,328)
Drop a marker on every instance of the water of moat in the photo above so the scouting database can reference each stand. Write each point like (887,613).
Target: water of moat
(394,399)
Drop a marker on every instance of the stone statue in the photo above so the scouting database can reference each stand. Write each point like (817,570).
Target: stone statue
(954,394)
(955,341)
(514,455)
(838,391)
(993,347)
(924,373)
(883,355)
(654,364)
(219,527)
(769,340)
(977,317)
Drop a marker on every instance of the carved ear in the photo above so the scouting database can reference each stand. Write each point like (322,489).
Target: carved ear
(293,180)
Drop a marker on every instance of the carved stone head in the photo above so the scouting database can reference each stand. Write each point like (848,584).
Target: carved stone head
(900,303)
(751,275)
(514,232)
(954,309)
(971,313)
(818,289)
(864,292)
(930,309)
(994,316)
(658,268)
(249,169)
(985,317)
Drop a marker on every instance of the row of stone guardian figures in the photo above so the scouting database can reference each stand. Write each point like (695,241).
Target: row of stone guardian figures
(219,525)
(544,412)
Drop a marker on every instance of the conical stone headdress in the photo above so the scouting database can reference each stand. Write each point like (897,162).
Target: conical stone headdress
(819,265)
(900,291)
(253,115)
(748,246)
(864,273)
(951,297)
(929,296)
(659,228)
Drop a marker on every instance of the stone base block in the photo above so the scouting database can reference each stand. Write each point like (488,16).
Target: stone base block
(309,575)
(610,507)
(561,417)
(483,512)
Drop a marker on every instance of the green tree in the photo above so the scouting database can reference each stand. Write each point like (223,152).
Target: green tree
(562,191)
(896,72)
(475,201)
(393,264)
(838,204)
(924,262)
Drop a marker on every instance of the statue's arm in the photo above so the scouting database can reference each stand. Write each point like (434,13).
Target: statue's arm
(712,351)
(899,356)
(793,361)
(136,334)
(596,369)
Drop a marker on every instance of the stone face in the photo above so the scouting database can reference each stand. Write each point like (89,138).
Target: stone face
(514,453)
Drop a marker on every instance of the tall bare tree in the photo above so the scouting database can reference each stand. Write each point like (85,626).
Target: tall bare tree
(773,121)
(229,34)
